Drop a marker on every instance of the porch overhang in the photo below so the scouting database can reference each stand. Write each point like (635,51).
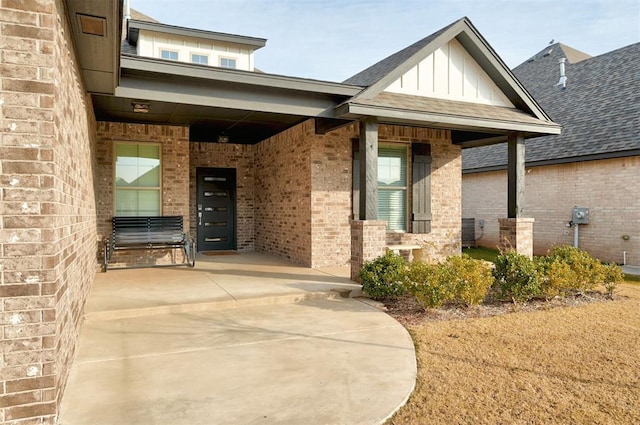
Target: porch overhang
(246,106)
(470,124)
(95,26)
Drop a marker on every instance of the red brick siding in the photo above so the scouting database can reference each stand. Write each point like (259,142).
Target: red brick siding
(175,175)
(606,187)
(47,208)
(331,212)
(283,194)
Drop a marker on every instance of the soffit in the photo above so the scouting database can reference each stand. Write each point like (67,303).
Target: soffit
(95,28)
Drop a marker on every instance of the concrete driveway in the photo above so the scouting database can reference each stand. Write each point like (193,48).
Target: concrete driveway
(243,339)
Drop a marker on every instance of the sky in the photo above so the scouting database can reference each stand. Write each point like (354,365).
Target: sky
(335,39)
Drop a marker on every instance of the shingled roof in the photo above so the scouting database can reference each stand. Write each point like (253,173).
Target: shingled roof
(599,110)
(379,70)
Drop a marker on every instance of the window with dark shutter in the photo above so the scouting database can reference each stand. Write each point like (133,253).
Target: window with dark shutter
(421,189)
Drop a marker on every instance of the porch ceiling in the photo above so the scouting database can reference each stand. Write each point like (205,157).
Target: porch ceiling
(206,122)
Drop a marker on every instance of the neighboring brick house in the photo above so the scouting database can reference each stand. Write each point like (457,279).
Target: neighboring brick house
(90,130)
(594,163)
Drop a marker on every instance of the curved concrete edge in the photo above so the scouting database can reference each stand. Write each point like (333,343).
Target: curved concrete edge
(317,361)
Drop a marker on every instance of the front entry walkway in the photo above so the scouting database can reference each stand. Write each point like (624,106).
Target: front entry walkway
(240,339)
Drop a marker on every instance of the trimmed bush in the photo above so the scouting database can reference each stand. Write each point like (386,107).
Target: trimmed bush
(383,277)
(586,272)
(518,277)
(612,276)
(471,279)
(427,284)
(459,279)
(568,269)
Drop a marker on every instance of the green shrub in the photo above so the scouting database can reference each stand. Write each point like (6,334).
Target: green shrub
(458,279)
(384,276)
(559,278)
(570,269)
(427,284)
(518,277)
(471,279)
(612,276)
(587,272)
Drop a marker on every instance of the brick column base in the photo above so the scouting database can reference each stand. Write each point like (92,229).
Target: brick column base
(368,241)
(517,234)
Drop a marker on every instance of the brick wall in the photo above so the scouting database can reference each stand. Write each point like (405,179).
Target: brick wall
(331,212)
(331,191)
(240,157)
(445,237)
(283,194)
(175,178)
(47,208)
(606,187)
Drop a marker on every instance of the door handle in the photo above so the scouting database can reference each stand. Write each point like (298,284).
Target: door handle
(199,219)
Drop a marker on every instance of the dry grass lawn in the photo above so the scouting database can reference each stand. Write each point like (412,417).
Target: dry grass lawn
(572,365)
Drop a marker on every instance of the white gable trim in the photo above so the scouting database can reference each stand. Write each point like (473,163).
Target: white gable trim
(450,72)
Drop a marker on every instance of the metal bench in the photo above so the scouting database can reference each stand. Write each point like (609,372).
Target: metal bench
(416,250)
(159,232)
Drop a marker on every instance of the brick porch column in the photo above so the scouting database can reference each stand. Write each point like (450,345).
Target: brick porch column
(517,234)
(368,241)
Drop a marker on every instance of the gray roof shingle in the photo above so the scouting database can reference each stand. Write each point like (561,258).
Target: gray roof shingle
(379,70)
(599,110)
(447,107)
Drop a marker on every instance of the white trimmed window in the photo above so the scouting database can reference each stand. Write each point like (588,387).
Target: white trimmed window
(137,179)
(169,54)
(199,59)
(228,63)
(392,186)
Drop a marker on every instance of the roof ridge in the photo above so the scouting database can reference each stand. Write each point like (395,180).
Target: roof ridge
(139,16)
(378,70)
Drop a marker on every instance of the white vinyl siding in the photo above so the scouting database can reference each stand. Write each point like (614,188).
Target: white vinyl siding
(451,73)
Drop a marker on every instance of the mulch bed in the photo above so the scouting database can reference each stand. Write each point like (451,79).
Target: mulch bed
(406,310)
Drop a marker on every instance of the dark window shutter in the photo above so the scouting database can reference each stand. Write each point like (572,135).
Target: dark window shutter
(355,198)
(421,173)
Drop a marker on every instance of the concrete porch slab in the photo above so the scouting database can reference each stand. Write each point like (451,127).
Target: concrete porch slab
(217,282)
(314,359)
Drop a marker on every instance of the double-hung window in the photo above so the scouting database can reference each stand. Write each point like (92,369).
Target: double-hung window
(137,179)
(199,59)
(392,186)
(396,187)
(169,54)
(228,63)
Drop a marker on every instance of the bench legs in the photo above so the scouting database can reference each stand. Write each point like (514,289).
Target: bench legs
(188,248)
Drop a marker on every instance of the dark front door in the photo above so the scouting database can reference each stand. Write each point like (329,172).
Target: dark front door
(216,209)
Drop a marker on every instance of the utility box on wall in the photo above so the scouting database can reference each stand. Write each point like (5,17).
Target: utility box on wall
(580,215)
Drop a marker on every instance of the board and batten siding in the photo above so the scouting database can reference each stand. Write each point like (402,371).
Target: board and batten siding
(150,43)
(450,73)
